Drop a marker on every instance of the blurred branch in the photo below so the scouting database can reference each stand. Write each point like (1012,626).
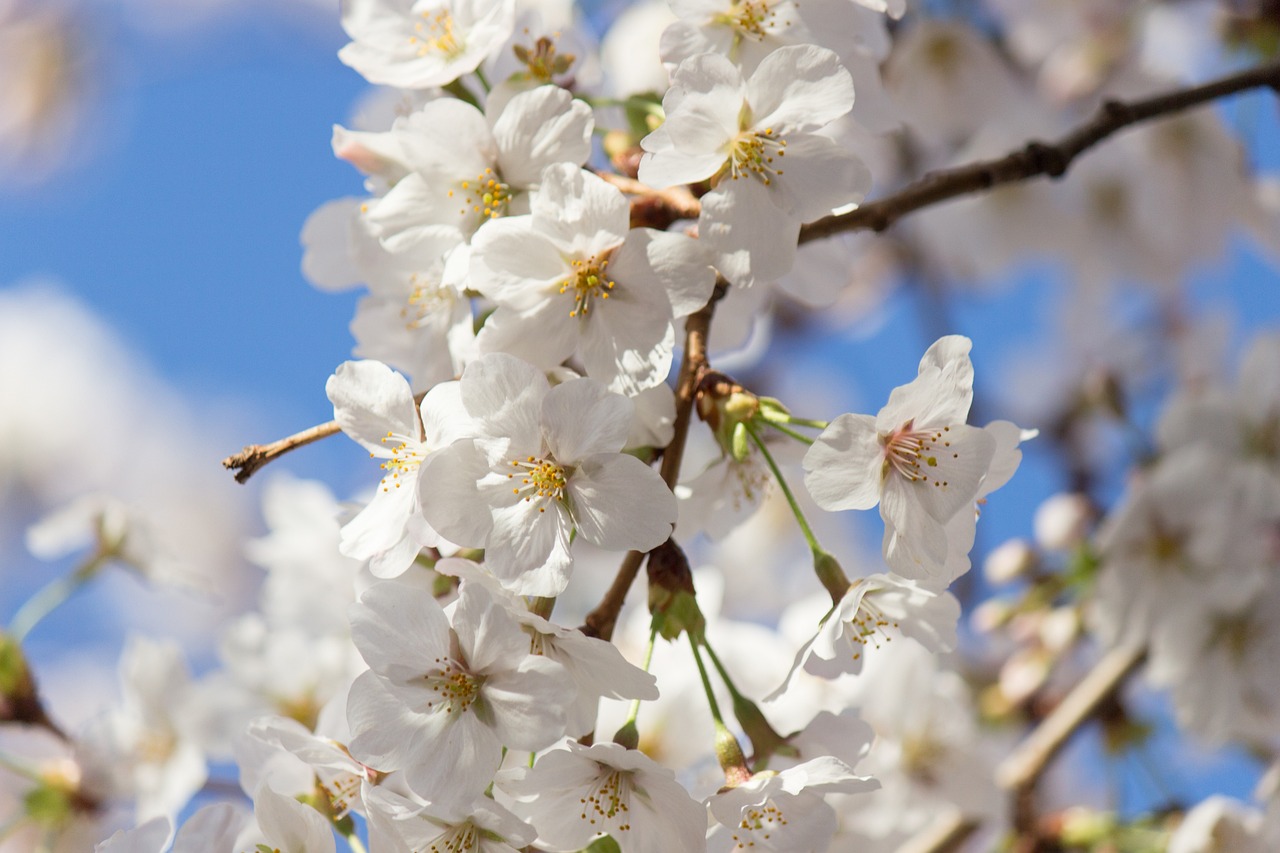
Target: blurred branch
(945,833)
(1020,772)
(254,456)
(600,621)
(1035,158)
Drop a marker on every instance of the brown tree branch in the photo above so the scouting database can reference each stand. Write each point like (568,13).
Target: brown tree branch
(943,834)
(601,620)
(1021,770)
(254,456)
(1035,158)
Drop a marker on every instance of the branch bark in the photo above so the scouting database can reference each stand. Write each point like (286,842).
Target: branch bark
(1035,158)
(254,456)
(944,834)
(600,621)
(1022,769)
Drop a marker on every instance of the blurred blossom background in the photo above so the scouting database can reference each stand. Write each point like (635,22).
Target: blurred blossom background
(158,159)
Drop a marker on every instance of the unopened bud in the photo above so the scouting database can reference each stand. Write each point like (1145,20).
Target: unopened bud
(1012,560)
(1062,521)
(671,594)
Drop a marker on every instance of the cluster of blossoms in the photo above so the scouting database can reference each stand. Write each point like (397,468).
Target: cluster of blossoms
(403,681)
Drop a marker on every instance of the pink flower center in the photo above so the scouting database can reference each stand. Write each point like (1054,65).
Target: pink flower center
(911,452)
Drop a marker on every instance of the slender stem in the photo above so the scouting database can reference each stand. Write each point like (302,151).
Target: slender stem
(945,833)
(786,490)
(484,81)
(47,598)
(724,673)
(806,422)
(706,683)
(785,431)
(357,846)
(648,659)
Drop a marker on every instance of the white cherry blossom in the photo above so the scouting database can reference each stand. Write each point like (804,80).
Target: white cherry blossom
(441,700)
(783,811)
(573,277)
(575,795)
(451,168)
(917,459)
(545,462)
(416,44)
(375,407)
(755,139)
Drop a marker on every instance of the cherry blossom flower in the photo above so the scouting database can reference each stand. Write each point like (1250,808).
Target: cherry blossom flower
(575,795)
(441,700)
(571,277)
(401,825)
(545,462)
(451,168)
(756,141)
(783,811)
(875,610)
(917,459)
(416,44)
(375,407)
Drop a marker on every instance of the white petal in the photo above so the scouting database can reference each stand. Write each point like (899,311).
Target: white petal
(369,401)
(621,504)
(842,467)
(581,418)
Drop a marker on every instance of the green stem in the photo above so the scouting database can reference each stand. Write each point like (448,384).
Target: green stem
(706,684)
(805,422)
(47,598)
(786,490)
(724,673)
(484,81)
(648,659)
(785,431)
(354,842)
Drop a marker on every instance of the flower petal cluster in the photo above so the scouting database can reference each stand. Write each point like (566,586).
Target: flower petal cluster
(444,696)
(450,168)
(416,44)
(917,459)
(575,795)
(756,141)
(375,407)
(572,277)
(543,462)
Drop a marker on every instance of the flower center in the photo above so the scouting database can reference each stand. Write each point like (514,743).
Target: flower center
(608,801)
(425,299)
(342,791)
(588,281)
(758,821)
(539,478)
(457,839)
(487,195)
(543,60)
(911,452)
(751,155)
(406,455)
(870,626)
(753,19)
(455,688)
(436,33)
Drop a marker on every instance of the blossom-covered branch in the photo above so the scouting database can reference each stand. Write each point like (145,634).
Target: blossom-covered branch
(1036,158)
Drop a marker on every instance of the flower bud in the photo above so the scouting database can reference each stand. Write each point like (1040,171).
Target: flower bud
(1062,521)
(1012,560)
(671,593)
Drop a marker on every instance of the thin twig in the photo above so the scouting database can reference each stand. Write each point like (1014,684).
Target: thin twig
(254,456)
(678,201)
(1035,158)
(1021,770)
(943,834)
